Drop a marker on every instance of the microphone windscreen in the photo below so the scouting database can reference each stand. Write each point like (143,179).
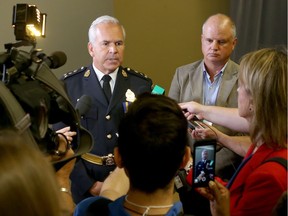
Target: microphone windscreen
(158,90)
(83,104)
(58,59)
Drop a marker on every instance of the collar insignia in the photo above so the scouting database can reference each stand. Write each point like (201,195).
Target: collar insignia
(124,73)
(87,73)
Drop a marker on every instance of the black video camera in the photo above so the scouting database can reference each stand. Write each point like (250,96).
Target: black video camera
(31,96)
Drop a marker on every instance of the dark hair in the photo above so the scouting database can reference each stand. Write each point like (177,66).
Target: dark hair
(152,141)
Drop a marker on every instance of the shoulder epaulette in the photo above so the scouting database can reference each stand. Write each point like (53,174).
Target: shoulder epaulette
(72,73)
(131,71)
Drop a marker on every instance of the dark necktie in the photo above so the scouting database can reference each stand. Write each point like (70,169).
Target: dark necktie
(106,86)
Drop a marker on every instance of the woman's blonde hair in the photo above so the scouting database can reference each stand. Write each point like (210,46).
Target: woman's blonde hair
(264,76)
(28,183)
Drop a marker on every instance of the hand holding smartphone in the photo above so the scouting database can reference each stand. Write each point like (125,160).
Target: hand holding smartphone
(204,162)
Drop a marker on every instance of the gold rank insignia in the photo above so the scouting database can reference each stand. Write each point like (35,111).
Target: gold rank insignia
(87,73)
(124,73)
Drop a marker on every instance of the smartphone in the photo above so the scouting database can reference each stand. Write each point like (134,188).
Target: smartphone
(204,162)
(194,122)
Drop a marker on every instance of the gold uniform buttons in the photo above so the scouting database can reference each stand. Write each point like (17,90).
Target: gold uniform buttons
(108,117)
(109,136)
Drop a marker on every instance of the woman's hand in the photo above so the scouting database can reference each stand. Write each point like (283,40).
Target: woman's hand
(219,198)
(207,132)
(62,176)
(191,109)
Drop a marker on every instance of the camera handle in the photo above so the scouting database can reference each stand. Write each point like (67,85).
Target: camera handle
(20,119)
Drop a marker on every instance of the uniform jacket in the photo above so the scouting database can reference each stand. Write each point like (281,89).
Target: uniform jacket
(258,186)
(102,119)
(205,167)
(187,85)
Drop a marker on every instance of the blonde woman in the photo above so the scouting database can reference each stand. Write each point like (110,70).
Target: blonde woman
(262,97)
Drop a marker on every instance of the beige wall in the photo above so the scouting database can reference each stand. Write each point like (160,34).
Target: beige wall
(67,27)
(164,34)
(161,34)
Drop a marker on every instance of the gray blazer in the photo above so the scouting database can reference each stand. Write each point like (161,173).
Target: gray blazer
(187,85)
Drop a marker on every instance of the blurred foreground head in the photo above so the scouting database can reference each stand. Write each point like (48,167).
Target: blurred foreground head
(152,141)
(28,184)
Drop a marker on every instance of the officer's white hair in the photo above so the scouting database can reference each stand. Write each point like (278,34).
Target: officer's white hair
(99,20)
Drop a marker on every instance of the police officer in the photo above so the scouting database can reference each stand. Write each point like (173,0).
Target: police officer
(204,169)
(110,96)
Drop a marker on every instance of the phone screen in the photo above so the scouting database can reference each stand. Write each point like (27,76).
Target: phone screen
(203,162)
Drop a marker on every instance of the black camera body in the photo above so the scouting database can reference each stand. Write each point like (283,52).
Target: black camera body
(31,96)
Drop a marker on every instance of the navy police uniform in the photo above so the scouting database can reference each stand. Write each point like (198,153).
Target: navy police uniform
(204,170)
(102,120)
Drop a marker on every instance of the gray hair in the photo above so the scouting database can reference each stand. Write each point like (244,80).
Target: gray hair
(99,20)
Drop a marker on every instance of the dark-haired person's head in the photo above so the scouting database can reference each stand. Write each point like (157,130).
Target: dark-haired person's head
(152,142)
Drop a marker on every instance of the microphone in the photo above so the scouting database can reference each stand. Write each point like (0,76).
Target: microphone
(158,90)
(83,104)
(56,60)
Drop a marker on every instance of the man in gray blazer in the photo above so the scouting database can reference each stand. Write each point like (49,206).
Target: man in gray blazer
(212,81)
